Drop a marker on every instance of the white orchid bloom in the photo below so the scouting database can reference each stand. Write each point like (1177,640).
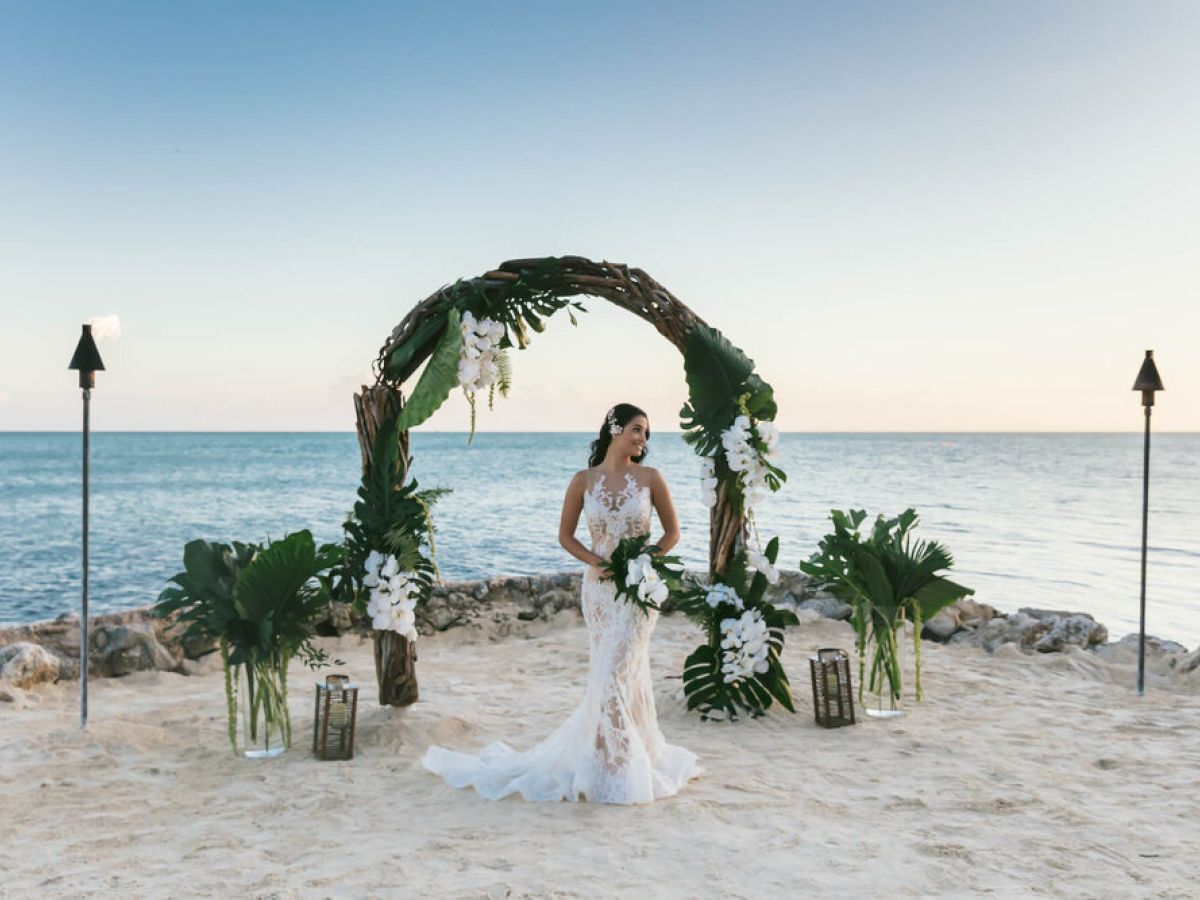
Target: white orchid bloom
(489,372)
(722,593)
(468,372)
(758,562)
(769,433)
(390,567)
(660,593)
(374,561)
(633,572)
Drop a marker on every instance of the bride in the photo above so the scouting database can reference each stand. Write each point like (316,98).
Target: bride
(610,749)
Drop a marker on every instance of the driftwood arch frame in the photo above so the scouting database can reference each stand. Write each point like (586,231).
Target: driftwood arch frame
(629,288)
(521,293)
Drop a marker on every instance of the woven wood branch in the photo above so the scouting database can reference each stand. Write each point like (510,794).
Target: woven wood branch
(395,656)
(630,289)
(373,405)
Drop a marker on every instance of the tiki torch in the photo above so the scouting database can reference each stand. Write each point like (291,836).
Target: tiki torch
(1147,382)
(87,362)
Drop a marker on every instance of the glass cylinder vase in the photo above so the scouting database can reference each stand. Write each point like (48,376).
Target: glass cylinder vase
(883,671)
(263,727)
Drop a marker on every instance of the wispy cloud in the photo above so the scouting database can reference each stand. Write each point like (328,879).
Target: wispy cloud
(4,397)
(105,327)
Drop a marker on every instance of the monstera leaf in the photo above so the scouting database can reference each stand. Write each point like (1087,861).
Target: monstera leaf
(705,687)
(438,379)
(718,374)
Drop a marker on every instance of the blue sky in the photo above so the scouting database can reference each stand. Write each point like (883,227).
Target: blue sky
(920,216)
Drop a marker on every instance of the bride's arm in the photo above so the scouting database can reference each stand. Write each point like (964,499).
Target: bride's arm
(660,496)
(572,506)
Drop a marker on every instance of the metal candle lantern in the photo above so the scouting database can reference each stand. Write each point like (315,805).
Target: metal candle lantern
(334,717)
(833,699)
(1148,383)
(86,361)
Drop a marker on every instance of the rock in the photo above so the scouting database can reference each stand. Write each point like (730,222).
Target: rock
(68,668)
(480,591)
(446,617)
(341,616)
(194,647)
(554,600)
(1154,645)
(201,666)
(1190,662)
(942,626)
(133,648)
(527,615)
(24,664)
(7,696)
(972,614)
(995,633)
(1062,629)
(827,606)
(787,600)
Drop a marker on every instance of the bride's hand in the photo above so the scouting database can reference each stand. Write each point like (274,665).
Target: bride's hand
(603,570)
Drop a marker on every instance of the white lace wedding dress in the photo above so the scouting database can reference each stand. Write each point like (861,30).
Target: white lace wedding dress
(610,750)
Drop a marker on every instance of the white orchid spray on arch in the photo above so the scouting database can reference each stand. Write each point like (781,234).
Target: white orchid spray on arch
(740,668)
(482,363)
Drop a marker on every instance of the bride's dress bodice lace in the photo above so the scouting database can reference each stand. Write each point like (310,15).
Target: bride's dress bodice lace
(610,749)
(613,515)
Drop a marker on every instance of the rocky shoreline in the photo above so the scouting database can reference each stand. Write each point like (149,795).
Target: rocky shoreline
(136,640)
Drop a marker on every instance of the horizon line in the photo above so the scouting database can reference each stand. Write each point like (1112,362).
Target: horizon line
(552,431)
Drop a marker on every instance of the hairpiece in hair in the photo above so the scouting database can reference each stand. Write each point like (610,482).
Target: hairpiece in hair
(613,428)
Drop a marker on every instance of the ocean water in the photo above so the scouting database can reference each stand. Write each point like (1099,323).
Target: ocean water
(1050,520)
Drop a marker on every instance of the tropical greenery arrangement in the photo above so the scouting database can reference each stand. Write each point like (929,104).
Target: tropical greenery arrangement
(259,603)
(386,564)
(738,669)
(466,330)
(887,577)
(391,526)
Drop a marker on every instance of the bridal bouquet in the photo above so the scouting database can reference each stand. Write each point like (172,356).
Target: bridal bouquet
(642,577)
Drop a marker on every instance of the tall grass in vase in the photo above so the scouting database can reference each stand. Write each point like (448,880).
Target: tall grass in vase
(259,604)
(887,577)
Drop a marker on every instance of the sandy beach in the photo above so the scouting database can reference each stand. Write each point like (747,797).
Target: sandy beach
(1019,775)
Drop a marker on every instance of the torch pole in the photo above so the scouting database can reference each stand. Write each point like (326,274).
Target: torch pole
(83,618)
(1145,532)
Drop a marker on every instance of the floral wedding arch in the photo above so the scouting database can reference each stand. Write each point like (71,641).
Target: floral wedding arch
(465,331)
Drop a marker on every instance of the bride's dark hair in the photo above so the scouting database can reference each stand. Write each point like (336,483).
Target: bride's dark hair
(622,413)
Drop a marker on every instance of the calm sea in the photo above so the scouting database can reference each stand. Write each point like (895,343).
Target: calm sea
(1032,519)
